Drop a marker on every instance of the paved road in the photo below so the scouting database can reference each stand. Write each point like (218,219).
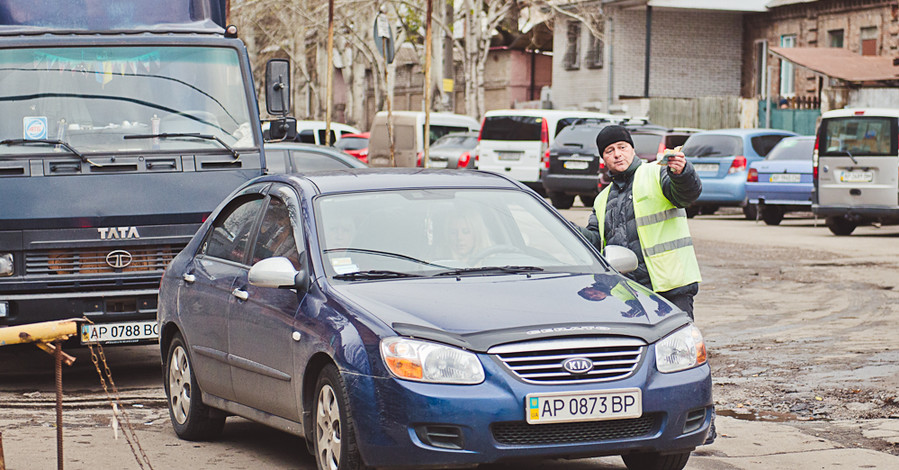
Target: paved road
(27,417)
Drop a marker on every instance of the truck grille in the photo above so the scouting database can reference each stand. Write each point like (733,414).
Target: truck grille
(542,361)
(520,433)
(100,260)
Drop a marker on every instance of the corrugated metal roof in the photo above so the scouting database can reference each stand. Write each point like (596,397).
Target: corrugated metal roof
(840,63)
(781,3)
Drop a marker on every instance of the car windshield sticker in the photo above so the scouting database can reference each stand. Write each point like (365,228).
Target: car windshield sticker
(35,127)
(343,265)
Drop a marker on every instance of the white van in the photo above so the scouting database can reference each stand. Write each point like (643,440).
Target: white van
(313,132)
(856,168)
(516,142)
(409,129)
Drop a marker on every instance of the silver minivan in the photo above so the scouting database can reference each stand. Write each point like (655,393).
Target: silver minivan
(856,168)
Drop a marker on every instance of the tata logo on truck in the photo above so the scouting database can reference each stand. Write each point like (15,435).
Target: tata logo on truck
(110,233)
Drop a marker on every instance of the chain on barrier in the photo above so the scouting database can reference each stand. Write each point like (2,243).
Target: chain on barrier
(98,356)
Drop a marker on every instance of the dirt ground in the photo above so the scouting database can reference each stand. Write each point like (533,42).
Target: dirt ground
(801,326)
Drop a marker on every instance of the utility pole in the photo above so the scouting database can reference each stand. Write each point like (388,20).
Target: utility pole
(330,92)
(428,88)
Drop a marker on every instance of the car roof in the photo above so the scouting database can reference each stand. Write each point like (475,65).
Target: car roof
(747,132)
(554,113)
(870,112)
(388,179)
(313,148)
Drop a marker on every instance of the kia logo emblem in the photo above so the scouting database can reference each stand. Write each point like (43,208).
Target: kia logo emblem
(118,259)
(578,365)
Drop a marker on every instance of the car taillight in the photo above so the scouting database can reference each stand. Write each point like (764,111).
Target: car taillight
(753,176)
(546,159)
(418,158)
(464,159)
(481,131)
(544,141)
(815,161)
(739,164)
(602,164)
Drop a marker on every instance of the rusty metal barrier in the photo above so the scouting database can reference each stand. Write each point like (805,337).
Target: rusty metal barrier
(49,337)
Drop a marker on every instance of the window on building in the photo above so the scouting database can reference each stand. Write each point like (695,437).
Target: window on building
(869,40)
(835,38)
(787,83)
(594,53)
(572,52)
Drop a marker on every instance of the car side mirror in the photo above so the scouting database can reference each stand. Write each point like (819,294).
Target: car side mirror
(278,272)
(277,86)
(622,259)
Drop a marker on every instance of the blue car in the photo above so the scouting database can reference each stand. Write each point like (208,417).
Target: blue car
(782,182)
(425,318)
(721,158)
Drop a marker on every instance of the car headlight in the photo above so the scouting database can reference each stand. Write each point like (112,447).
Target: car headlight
(681,350)
(6,265)
(424,361)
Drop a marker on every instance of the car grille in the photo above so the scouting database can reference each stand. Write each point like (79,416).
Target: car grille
(94,260)
(520,433)
(542,361)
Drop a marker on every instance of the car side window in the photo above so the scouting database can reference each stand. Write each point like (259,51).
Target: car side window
(229,236)
(276,160)
(309,161)
(276,235)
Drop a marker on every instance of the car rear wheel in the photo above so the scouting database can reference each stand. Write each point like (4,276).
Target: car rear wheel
(751,211)
(840,225)
(772,215)
(653,461)
(587,199)
(334,435)
(561,200)
(692,211)
(191,418)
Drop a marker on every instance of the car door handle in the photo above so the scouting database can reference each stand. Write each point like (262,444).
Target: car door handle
(240,294)
(188,278)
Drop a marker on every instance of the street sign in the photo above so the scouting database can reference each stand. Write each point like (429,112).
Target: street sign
(383,35)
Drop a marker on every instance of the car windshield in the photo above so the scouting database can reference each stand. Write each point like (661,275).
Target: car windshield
(793,149)
(512,128)
(646,145)
(858,135)
(713,145)
(352,143)
(92,97)
(430,232)
(578,137)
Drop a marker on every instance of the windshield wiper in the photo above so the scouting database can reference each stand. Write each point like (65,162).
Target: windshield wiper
(373,274)
(847,152)
(194,135)
(383,253)
(60,143)
(492,269)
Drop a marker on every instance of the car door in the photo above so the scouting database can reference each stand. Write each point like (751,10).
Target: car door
(206,290)
(262,321)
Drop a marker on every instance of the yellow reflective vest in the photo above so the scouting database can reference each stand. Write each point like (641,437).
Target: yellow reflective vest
(662,229)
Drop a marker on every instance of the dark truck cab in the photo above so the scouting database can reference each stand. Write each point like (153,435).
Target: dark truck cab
(121,128)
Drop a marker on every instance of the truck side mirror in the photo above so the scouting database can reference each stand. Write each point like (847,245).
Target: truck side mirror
(284,128)
(277,86)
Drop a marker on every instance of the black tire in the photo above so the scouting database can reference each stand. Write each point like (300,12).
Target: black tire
(652,461)
(708,210)
(772,215)
(840,225)
(334,435)
(692,211)
(561,200)
(587,199)
(751,211)
(191,418)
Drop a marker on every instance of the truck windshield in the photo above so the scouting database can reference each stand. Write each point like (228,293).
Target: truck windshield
(92,97)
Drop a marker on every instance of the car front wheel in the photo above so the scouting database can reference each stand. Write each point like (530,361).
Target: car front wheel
(191,418)
(334,434)
(653,461)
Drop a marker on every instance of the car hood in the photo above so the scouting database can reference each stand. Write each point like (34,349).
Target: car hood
(477,312)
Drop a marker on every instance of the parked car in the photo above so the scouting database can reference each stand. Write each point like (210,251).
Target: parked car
(313,132)
(782,182)
(349,307)
(855,168)
(355,145)
(292,157)
(516,142)
(575,167)
(456,150)
(409,133)
(721,158)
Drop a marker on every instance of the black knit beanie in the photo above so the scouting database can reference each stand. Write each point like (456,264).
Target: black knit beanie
(611,134)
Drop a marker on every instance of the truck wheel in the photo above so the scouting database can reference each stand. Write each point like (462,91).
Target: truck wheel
(772,215)
(653,461)
(191,418)
(333,430)
(561,200)
(840,225)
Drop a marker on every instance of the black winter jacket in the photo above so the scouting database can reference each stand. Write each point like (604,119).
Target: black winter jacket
(620,224)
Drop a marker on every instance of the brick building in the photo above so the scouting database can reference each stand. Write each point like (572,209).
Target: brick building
(862,27)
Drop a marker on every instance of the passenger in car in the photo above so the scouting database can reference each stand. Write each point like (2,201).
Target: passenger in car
(466,236)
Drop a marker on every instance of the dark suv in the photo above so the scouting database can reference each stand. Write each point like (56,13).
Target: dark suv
(573,166)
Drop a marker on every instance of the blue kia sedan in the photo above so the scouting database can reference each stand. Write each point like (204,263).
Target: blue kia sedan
(782,182)
(721,158)
(425,318)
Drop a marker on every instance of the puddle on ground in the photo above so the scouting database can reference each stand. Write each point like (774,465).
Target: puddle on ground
(768,416)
